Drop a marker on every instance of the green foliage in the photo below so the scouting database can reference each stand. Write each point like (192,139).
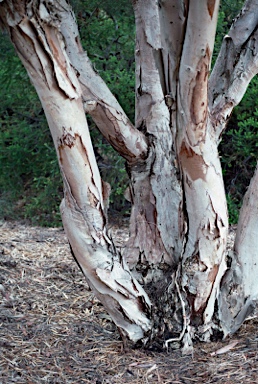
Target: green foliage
(233,208)
(112,169)
(29,178)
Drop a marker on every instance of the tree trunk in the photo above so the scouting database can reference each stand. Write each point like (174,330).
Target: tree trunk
(155,183)
(169,282)
(239,291)
(83,207)
(203,263)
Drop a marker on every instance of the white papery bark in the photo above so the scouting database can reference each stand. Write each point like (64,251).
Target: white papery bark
(179,217)
(236,65)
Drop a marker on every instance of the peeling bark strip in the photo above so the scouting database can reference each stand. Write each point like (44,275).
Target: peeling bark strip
(192,164)
(199,95)
(171,281)
(108,276)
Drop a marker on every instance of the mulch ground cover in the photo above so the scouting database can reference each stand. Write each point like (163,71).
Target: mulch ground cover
(53,330)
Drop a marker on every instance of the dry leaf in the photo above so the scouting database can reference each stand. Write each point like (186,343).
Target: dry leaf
(225,349)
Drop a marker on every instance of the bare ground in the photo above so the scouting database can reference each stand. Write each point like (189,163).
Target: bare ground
(53,330)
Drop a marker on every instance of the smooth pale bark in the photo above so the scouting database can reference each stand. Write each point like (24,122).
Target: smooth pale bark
(246,242)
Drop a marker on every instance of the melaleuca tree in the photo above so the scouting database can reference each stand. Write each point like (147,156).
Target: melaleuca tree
(174,280)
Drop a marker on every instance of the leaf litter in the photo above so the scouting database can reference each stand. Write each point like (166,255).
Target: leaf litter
(53,330)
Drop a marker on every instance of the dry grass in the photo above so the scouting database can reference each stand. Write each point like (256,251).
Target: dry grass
(54,331)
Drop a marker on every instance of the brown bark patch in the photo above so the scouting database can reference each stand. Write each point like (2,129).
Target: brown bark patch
(79,45)
(67,140)
(192,163)
(211,6)
(199,96)
(199,99)
(54,44)
(213,273)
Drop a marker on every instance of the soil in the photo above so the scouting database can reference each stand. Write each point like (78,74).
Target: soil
(53,330)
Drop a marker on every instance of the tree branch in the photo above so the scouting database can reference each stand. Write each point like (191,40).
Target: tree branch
(236,65)
(194,69)
(99,102)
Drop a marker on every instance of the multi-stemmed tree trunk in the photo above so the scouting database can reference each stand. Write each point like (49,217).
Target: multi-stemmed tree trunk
(173,281)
